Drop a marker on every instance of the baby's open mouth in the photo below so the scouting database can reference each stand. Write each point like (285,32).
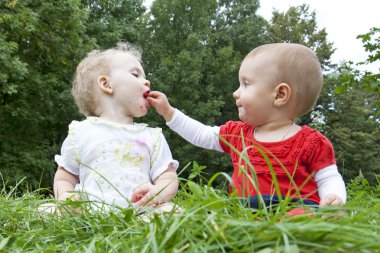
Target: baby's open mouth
(146,94)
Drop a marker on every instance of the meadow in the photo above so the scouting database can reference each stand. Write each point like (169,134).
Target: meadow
(195,59)
(211,221)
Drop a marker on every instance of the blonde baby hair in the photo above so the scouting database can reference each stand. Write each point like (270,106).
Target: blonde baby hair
(95,64)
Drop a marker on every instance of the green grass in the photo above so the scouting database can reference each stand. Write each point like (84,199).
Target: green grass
(212,221)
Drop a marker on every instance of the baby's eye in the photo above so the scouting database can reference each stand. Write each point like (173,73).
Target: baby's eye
(135,75)
(245,84)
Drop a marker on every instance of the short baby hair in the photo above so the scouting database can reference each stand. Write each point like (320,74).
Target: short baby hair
(95,64)
(299,67)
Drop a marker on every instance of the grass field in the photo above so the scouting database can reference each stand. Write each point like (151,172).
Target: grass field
(212,221)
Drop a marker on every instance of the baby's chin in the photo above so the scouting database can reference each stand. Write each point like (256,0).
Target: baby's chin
(144,109)
(244,119)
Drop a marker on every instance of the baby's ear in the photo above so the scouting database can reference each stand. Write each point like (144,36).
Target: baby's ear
(283,92)
(105,84)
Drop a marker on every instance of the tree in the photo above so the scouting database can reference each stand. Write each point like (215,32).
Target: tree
(114,21)
(237,29)
(371,81)
(352,128)
(177,59)
(41,42)
(193,54)
(299,25)
(350,104)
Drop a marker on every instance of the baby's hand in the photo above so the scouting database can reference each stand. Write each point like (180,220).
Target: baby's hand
(160,102)
(147,194)
(66,206)
(331,200)
(68,195)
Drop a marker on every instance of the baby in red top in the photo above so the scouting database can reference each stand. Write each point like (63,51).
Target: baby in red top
(271,154)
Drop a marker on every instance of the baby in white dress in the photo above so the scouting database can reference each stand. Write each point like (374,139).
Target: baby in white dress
(108,159)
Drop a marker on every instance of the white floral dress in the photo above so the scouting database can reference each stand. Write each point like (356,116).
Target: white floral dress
(112,159)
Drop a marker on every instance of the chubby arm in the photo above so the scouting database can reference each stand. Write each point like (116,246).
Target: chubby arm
(191,130)
(331,187)
(163,189)
(64,184)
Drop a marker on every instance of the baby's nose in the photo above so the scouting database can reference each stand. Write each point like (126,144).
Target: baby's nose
(147,83)
(235,94)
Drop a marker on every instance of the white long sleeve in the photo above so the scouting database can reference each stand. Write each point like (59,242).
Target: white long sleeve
(330,181)
(195,132)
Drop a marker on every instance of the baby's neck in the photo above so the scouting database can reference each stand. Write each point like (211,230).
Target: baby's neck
(274,132)
(117,118)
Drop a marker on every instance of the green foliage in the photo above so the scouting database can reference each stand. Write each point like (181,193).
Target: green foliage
(299,25)
(351,124)
(368,81)
(113,21)
(361,193)
(212,221)
(194,57)
(196,171)
(350,102)
(184,60)
(371,42)
(192,52)
(41,44)
(43,41)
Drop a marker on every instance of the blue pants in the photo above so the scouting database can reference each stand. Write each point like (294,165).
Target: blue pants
(271,200)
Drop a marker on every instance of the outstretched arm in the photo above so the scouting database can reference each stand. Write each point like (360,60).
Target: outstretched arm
(163,189)
(191,130)
(64,184)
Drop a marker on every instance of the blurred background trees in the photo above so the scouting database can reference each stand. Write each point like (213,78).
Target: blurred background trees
(191,51)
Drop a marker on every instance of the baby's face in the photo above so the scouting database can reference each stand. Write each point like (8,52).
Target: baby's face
(129,84)
(255,95)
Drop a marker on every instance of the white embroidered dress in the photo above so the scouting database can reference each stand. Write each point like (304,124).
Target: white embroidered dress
(112,159)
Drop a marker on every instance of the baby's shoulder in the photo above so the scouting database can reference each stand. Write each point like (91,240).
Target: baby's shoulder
(76,125)
(153,131)
(312,133)
(312,138)
(235,127)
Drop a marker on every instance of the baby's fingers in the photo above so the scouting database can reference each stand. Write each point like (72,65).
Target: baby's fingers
(146,200)
(330,200)
(156,97)
(337,202)
(155,94)
(139,193)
